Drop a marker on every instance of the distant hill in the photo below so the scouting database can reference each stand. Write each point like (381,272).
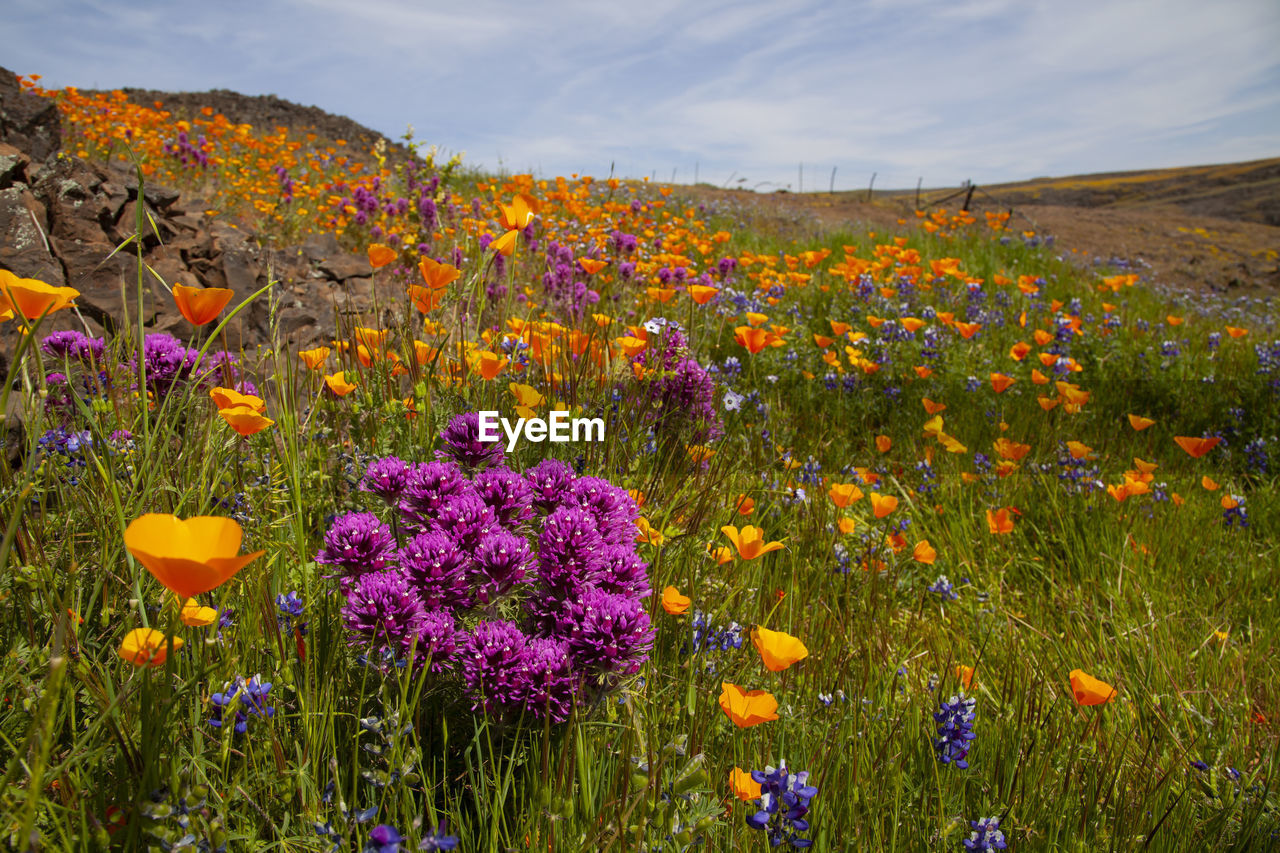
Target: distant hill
(1245,192)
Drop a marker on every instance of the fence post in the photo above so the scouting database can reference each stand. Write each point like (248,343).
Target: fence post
(871,184)
(832,188)
(968,196)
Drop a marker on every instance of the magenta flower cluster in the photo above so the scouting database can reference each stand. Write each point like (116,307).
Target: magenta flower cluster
(523,590)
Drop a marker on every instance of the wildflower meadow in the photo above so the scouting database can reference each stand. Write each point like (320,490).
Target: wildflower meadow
(621,521)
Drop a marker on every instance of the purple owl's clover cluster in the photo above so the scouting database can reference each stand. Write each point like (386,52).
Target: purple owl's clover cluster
(524,590)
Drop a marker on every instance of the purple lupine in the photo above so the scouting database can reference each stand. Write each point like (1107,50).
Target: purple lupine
(784,805)
(955,730)
(358,542)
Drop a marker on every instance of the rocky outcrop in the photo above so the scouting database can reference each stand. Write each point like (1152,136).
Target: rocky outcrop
(64,221)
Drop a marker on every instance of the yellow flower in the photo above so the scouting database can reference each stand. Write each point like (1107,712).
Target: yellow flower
(778,649)
(188,556)
(148,647)
(30,298)
(195,616)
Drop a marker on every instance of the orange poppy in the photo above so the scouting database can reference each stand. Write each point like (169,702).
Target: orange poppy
(778,649)
(487,364)
(882,505)
(437,275)
(201,305)
(313,358)
(843,494)
(338,384)
(965,674)
(883,443)
(225,398)
(931,407)
(747,707)
(1140,423)
(1019,351)
(506,244)
(967,330)
(1089,690)
(591,266)
(999,522)
(246,420)
(745,505)
(1208,484)
(753,339)
(999,382)
(1196,447)
(380,255)
(673,602)
(749,542)
(30,298)
(924,553)
(1236,331)
(188,556)
(195,616)
(519,213)
(148,647)
(744,787)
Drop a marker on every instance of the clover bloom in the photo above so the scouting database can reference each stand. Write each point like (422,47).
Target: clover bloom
(201,305)
(747,707)
(188,556)
(778,649)
(749,541)
(148,647)
(1089,690)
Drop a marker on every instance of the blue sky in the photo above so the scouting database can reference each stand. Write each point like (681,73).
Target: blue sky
(743,92)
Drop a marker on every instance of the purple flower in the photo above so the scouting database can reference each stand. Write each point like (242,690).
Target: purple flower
(430,486)
(252,696)
(507,493)
(986,835)
(546,684)
(492,659)
(437,568)
(955,730)
(612,508)
(383,839)
(501,561)
(570,552)
(466,520)
(463,445)
(612,633)
(784,804)
(383,611)
(359,543)
(550,479)
(386,478)
(437,640)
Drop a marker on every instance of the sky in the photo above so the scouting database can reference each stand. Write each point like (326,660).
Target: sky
(761,94)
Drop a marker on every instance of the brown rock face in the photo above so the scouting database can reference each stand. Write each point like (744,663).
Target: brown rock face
(64,221)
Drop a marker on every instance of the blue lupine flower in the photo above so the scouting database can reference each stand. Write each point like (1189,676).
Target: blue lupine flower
(784,802)
(252,695)
(383,839)
(955,730)
(439,840)
(943,588)
(986,835)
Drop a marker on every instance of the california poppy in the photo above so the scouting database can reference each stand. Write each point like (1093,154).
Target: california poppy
(965,674)
(753,339)
(924,553)
(648,534)
(882,505)
(505,244)
(437,275)
(30,298)
(380,255)
(931,407)
(742,784)
(314,358)
(745,505)
(1089,690)
(1140,423)
(487,364)
(701,293)
(1197,447)
(201,305)
(148,647)
(999,522)
(749,541)
(778,649)
(245,419)
(843,494)
(225,398)
(591,266)
(747,707)
(188,556)
(673,602)
(999,382)
(337,384)
(883,443)
(195,616)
